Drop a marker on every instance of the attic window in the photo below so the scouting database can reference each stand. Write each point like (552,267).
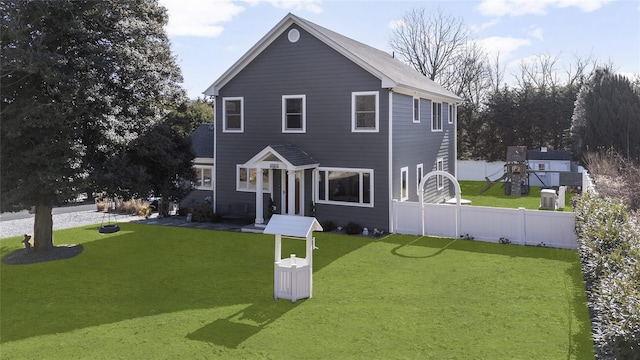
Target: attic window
(294,35)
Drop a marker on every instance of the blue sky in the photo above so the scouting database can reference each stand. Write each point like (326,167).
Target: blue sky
(208,36)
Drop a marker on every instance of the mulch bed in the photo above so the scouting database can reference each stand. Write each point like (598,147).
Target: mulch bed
(23,256)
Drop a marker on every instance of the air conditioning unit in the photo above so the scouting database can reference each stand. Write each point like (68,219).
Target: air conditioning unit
(548,199)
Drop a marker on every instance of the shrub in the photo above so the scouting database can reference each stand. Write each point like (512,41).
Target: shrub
(203,213)
(610,252)
(327,225)
(353,228)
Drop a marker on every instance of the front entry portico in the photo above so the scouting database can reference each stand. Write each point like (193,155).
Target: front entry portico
(291,161)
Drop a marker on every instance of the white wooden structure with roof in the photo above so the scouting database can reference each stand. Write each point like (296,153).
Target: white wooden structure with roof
(293,276)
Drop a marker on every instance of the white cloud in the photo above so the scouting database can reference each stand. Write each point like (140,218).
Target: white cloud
(535,7)
(503,46)
(484,26)
(204,18)
(396,24)
(537,33)
(199,18)
(294,5)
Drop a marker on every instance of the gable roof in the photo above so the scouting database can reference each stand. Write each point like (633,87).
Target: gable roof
(202,139)
(392,72)
(290,155)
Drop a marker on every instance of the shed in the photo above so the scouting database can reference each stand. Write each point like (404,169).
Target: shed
(293,275)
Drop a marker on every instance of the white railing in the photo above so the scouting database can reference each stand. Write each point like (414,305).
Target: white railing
(519,226)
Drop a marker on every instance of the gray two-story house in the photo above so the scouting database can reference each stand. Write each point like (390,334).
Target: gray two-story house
(310,122)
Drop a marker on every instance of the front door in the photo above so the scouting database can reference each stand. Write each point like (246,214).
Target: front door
(298,191)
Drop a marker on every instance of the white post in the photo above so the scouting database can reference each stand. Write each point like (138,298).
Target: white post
(523,227)
(291,192)
(259,197)
(278,247)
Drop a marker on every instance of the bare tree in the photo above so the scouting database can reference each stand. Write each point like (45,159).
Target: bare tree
(439,46)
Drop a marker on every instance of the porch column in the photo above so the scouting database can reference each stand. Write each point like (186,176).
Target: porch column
(259,197)
(291,192)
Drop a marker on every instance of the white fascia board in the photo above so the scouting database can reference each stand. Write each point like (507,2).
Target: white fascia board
(411,91)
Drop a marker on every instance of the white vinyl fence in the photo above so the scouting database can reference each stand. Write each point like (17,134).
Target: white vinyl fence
(520,226)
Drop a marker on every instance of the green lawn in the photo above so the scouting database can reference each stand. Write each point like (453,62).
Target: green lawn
(495,197)
(153,292)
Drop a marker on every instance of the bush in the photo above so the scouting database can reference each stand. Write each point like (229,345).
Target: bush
(353,229)
(327,225)
(203,213)
(610,253)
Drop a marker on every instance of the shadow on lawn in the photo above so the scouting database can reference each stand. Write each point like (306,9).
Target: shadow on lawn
(147,270)
(443,244)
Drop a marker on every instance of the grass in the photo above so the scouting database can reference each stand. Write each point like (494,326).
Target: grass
(161,293)
(495,197)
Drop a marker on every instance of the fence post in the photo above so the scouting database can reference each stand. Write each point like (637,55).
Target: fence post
(523,225)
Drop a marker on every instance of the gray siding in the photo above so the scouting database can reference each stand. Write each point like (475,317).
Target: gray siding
(327,79)
(415,143)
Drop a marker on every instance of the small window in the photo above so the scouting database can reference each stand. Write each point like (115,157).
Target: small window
(364,111)
(440,178)
(404,184)
(246,179)
(541,167)
(294,113)
(436,117)
(204,177)
(419,175)
(339,186)
(416,110)
(233,114)
(452,113)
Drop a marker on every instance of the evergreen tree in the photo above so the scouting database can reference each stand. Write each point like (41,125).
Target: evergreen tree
(81,80)
(607,117)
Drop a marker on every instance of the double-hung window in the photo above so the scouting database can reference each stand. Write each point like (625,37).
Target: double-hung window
(364,111)
(246,179)
(440,178)
(404,184)
(436,117)
(340,186)
(452,113)
(233,114)
(203,179)
(419,175)
(293,113)
(416,110)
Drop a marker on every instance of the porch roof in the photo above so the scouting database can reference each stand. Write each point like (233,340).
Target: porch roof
(290,155)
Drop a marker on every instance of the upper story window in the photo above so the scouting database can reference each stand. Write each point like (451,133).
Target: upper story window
(364,111)
(233,114)
(452,113)
(294,113)
(416,110)
(436,117)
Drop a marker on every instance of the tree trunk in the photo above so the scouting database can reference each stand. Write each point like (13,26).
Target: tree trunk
(43,229)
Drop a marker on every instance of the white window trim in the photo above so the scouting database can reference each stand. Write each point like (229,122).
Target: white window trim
(224,115)
(201,173)
(353,111)
(440,178)
(434,103)
(404,174)
(419,175)
(316,186)
(284,114)
(416,121)
(453,112)
(246,189)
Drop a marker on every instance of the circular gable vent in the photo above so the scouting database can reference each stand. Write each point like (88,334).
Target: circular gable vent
(294,35)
